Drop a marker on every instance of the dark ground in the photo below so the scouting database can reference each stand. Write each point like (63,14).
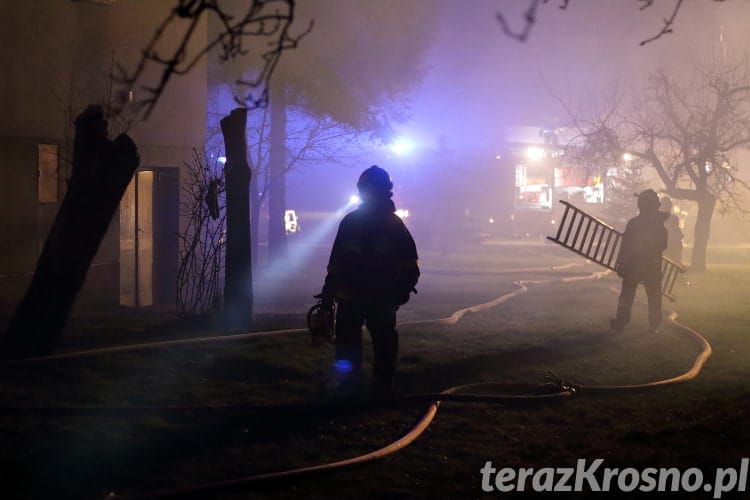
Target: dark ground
(292,419)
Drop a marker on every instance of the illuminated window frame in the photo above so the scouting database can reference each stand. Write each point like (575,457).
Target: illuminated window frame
(47,168)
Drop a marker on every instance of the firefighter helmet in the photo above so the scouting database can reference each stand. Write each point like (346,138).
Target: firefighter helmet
(648,200)
(374,180)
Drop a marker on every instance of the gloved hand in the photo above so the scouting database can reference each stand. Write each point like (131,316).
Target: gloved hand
(403,297)
(325,300)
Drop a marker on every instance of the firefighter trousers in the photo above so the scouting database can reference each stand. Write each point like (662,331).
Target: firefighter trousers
(381,323)
(627,296)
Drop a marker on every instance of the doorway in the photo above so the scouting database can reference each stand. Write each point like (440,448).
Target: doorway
(149,222)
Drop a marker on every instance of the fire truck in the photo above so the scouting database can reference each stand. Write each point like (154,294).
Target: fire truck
(542,176)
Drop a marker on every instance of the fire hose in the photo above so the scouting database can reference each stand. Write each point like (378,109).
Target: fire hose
(554,390)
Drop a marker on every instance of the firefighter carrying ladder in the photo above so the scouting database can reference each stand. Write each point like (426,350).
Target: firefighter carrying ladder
(599,242)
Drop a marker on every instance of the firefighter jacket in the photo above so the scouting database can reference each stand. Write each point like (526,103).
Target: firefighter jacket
(374,258)
(643,242)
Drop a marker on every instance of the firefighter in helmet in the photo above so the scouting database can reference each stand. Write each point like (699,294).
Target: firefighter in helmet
(639,261)
(371,272)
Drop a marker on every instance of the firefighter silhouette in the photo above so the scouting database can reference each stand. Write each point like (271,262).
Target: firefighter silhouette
(639,261)
(371,272)
(674,233)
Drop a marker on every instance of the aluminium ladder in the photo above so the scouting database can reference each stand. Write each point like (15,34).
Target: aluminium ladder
(599,242)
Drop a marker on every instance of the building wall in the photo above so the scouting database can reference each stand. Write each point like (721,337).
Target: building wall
(57,56)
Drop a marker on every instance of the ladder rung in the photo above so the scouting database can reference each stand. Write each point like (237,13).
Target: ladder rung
(562,222)
(586,233)
(593,238)
(606,245)
(570,227)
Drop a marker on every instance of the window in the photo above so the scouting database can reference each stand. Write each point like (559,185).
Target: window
(47,165)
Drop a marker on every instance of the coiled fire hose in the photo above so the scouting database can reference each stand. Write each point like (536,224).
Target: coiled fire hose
(555,390)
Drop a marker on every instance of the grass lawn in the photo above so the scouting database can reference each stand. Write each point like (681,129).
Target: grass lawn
(291,420)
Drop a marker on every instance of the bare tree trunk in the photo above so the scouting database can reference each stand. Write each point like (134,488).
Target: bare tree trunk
(102,170)
(702,232)
(277,159)
(238,284)
(254,220)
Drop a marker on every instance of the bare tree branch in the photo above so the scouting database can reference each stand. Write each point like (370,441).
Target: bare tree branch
(529,19)
(201,243)
(267,20)
(531,13)
(687,130)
